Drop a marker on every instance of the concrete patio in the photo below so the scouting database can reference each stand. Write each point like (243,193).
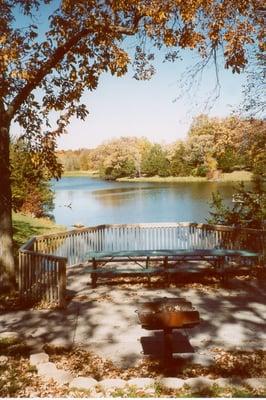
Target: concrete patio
(104,320)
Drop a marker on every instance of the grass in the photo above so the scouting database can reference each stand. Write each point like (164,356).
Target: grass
(167,179)
(236,176)
(213,391)
(25,227)
(90,173)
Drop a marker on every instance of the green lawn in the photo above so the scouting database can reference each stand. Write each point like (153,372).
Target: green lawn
(236,176)
(25,227)
(91,174)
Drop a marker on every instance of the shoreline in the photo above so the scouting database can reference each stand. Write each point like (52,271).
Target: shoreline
(90,174)
(236,176)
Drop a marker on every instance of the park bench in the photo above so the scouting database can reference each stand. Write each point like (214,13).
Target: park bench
(99,259)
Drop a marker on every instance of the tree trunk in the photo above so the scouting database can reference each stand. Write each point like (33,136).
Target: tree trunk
(7,264)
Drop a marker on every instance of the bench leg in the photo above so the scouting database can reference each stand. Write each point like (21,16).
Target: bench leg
(222,269)
(147,266)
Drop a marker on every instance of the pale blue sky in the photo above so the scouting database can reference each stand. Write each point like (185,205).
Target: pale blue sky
(124,106)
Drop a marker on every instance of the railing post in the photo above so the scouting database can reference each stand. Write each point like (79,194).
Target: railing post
(61,282)
(20,274)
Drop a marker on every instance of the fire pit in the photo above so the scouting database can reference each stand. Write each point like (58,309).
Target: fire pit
(167,314)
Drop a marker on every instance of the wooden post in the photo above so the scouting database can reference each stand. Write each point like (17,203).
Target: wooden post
(147,262)
(93,274)
(147,266)
(61,282)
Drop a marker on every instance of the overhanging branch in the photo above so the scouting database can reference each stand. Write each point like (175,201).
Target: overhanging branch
(58,56)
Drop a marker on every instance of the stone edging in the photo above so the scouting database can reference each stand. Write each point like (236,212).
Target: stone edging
(48,370)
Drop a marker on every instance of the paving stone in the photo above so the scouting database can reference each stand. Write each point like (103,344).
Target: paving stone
(47,370)
(62,377)
(112,384)
(222,382)
(236,382)
(141,383)
(3,360)
(150,391)
(172,383)
(10,335)
(83,383)
(229,382)
(198,383)
(256,383)
(39,358)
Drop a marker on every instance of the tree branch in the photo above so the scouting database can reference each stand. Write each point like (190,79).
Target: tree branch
(58,56)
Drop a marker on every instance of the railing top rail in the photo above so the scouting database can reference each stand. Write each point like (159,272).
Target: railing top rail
(28,244)
(56,246)
(148,225)
(47,256)
(67,232)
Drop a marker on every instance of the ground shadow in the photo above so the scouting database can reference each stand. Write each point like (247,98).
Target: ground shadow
(103,319)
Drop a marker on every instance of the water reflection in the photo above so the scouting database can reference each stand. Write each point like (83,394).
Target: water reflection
(98,202)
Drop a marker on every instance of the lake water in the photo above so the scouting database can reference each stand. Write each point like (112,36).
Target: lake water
(92,201)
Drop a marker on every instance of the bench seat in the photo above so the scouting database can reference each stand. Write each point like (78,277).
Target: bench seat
(216,256)
(127,272)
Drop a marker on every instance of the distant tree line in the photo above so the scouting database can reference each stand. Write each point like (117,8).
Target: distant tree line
(212,144)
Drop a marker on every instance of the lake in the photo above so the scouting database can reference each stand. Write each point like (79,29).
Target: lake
(90,201)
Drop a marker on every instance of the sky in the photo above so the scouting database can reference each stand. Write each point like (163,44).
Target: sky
(126,107)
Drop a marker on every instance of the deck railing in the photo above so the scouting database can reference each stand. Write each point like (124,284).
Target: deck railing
(42,276)
(43,260)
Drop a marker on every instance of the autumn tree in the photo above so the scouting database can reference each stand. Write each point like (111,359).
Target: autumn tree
(31,192)
(119,158)
(227,140)
(249,208)
(45,72)
(178,164)
(156,162)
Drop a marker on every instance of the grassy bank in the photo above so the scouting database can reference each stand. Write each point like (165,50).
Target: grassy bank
(236,176)
(25,227)
(91,174)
